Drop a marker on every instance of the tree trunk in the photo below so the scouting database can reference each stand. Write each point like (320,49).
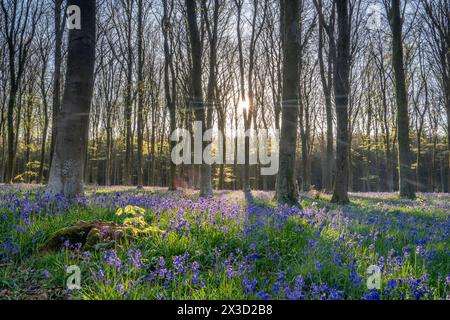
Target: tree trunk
(66,175)
(326,78)
(286,187)
(211,99)
(406,175)
(341,95)
(418,160)
(196,87)
(10,127)
(56,103)
(153,149)
(108,169)
(448,140)
(304,146)
(28,131)
(222,128)
(140,120)
(367,163)
(127,179)
(40,176)
(169,88)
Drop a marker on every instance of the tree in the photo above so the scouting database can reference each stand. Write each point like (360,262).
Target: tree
(143,90)
(326,74)
(170,88)
(66,175)
(384,74)
(306,72)
(212,26)
(140,102)
(56,98)
(128,5)
(406,174)
(438,22)
(20,20)
(239,4)
(196,89)
(44,54)
(339,49)
(286,187)
(249,115)
(341,96)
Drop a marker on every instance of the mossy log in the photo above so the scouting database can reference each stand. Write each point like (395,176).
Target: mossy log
(85,235)
(89,235)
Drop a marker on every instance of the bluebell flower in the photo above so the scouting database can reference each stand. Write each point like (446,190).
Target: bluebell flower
(135,256)
(263,295)
(195,266)
(419,250)
(230,271)
(392,284)
(319,266)
(112,259)
(335,295)
(372,295)
(121,290)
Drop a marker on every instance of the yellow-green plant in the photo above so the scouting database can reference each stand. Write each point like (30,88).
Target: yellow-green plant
(135,221)
(130,210)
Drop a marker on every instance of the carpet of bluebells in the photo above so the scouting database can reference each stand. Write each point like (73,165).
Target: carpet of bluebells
(230,246)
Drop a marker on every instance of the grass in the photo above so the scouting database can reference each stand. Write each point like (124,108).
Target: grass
(230,247)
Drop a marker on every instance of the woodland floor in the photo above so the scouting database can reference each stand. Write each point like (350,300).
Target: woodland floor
(230,246)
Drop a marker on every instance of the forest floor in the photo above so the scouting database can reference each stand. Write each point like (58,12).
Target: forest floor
(230,246)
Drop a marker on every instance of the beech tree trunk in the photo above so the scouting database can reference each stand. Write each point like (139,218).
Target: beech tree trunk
(140,102)
(66,175)
(196,90)
(56,99)
(286,186)
(406,174)
(341,96)
(169,85)
(326,79)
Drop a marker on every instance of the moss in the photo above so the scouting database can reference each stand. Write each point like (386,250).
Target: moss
(73,234)
(89,234)
(92,238)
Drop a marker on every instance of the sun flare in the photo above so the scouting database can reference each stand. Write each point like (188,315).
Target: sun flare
(244,105)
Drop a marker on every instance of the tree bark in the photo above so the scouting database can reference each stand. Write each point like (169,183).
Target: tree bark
(196,90)
(40,176)
(17,18)
(341,96)
(127,180)
(406,174)
(211,98)
(326,79)
(140,102)
(56,99)
(169,85)
(286,186)
(66,175)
